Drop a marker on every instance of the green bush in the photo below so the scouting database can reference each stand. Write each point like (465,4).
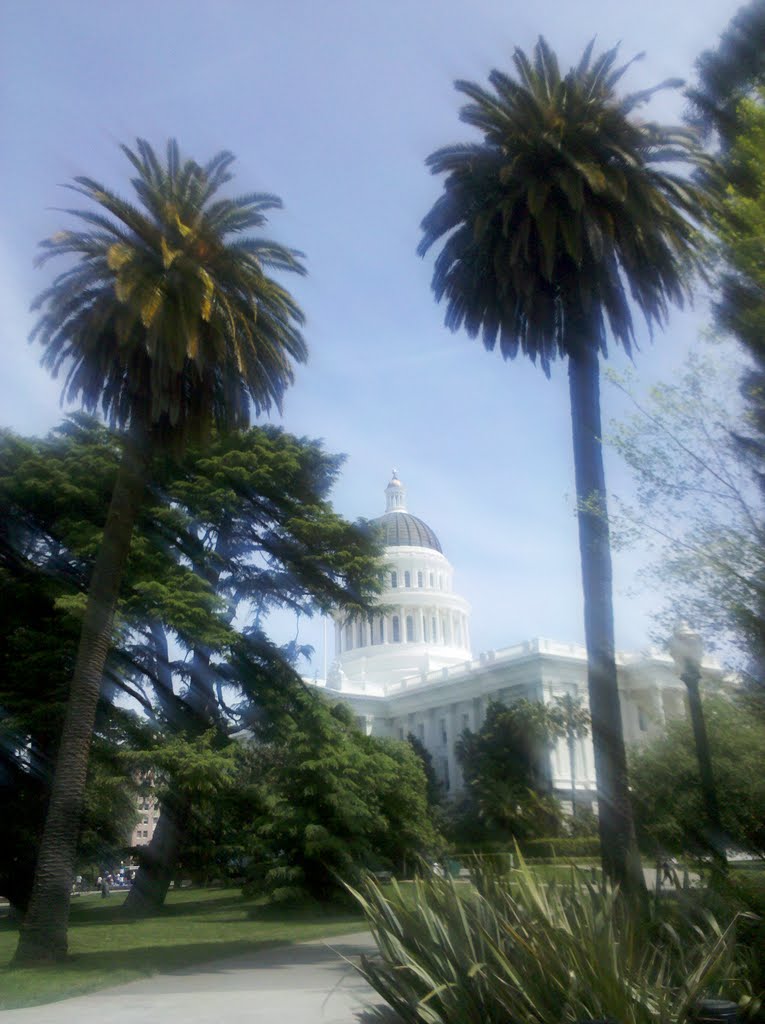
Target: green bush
(561,848)
(523,950)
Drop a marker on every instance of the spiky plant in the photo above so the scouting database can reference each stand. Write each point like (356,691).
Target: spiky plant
(568,214)
(169,320)
(514,948)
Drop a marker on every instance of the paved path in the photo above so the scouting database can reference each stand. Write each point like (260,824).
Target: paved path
(306,983)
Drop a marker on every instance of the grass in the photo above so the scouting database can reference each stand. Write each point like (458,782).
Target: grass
(195,926)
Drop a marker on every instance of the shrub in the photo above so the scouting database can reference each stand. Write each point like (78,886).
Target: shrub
(560,848)
(542,954)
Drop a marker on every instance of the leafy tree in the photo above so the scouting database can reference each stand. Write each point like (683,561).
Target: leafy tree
(169,322)
(572,721)
(333,801)
(506,769)
(727,74)
(568,210)
(728,98)
(286,547)
(696,504)
(435,789)
(665,779)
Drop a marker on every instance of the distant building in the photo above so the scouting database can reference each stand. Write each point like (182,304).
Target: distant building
(147,807)
(411,670)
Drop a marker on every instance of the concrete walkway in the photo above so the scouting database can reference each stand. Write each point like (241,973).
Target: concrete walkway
(306,983)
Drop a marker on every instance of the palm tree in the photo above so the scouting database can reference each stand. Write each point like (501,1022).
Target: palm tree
(168,320)
(573,722)
(550,224)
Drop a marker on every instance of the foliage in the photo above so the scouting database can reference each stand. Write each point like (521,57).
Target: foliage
(531,951)
(286,548)
(727,74)
(332,802)
(561,847)
(435,790)
(167,313)
(729,98)
(696,503)
(506,769)
(668,800)
(565,189)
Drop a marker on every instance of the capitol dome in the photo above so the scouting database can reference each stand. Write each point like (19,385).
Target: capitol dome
(403,530)
(422,623)
(400,529)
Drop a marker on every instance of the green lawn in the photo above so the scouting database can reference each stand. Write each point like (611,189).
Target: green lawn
(196,925)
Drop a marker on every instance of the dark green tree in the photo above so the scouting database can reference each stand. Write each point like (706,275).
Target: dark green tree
(729,73)
(435,789)
(506,769)
(286,548)
(334,802)
(569,212)
(668,796)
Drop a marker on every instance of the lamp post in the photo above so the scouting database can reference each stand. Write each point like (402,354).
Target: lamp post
(686,648)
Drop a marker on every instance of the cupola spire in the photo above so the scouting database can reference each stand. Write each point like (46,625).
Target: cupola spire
(395,495)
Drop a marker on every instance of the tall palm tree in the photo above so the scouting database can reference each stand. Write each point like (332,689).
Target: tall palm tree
(549,225)
(573,721)
(168,320)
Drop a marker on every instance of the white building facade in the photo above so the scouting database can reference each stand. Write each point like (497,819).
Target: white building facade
(409,669)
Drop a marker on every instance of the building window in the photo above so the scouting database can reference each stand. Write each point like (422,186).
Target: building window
(396,630)
(409,628)
(465,722)
(421,732)
(372,640)
(444,737)
(400,733)
(382,631)
(394,580)
(458,633)
(420,579)
(407,579)
(434,632)
(447,632)
(348,637)
(432,582)
(642,720)
(440,582)
(424,629)
(360,635)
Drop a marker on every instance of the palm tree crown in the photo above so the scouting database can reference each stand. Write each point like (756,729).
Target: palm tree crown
(168,315)
(560,213)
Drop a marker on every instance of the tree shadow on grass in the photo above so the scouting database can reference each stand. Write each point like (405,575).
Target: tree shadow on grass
(118,913)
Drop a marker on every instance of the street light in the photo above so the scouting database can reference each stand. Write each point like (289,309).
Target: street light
(687,649)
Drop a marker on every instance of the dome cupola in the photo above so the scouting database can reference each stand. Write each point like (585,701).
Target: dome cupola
(400,529)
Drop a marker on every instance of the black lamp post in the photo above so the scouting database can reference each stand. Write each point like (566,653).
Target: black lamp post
(687,648)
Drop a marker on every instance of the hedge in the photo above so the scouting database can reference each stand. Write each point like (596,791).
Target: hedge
(560,848)
(539,849)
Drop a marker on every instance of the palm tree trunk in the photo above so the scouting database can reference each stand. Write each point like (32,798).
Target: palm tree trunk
(617,831)
(43,937)
(572,771)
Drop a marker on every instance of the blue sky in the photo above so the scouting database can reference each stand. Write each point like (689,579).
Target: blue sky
(334,106)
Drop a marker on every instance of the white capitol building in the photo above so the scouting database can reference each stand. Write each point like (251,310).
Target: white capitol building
(411,670)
